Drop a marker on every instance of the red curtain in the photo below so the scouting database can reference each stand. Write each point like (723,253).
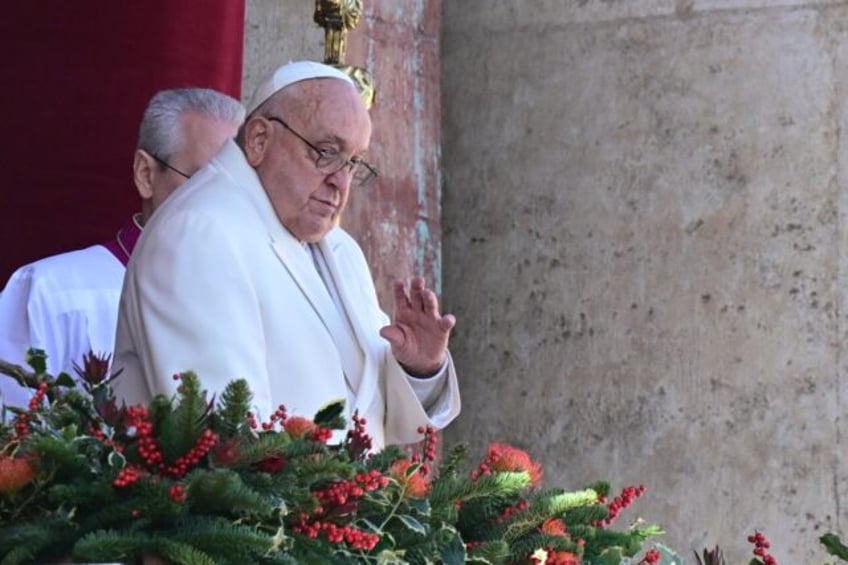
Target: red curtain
(74,83)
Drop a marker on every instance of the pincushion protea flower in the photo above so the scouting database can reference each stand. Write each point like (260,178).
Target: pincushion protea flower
(553,527)
(15,473)
(299,427)
(415,484)
(505,458)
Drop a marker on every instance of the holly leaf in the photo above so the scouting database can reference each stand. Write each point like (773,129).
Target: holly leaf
(66,380)
(412,524)
(37,359)
(329,412)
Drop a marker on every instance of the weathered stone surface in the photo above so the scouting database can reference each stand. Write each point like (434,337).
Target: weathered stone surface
(276,32)
(644,245)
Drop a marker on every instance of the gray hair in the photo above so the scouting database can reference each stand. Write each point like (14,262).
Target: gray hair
(160,133)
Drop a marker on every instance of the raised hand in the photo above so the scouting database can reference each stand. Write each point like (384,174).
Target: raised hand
(418,333)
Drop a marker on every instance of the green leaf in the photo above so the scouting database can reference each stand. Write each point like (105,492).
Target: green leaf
(329,412)
(37,359)
(412,524)
(66,380)
(610,556)
(419,505)
(117,460)
(69,433)
(389,557)
(834,545)
(452,548)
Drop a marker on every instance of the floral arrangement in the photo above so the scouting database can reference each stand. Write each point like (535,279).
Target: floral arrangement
(197,481)
(190,481)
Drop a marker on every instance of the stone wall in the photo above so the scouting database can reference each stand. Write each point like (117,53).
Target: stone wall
(644,243)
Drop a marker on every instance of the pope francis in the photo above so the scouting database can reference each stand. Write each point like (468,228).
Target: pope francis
(244,273)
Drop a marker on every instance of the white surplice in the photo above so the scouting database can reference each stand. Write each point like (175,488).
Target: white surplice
(66,304)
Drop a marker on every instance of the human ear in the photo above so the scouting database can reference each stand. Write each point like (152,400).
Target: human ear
(256,140)
(143,173)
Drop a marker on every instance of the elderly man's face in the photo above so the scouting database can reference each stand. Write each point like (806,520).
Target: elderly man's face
(203,137)
(330,116)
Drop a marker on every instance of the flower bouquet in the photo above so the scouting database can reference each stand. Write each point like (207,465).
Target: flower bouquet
(193,480)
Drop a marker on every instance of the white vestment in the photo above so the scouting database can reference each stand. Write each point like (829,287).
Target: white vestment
(217,285)
(67,305)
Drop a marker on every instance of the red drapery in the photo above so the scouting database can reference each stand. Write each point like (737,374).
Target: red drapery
(75,81)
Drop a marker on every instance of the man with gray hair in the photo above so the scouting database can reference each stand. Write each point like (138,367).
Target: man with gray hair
(67,304)
(245,273)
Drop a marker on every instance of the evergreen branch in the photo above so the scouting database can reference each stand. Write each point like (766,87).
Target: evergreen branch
(180,553)
(109,545)
(180,430)
(585,515)
(385,458)
(496,551)
(452,460)
(113,514)
(558,502)
(264,446)
(231,415)
(85,493)
(19,555)
(497,486)
(224,491)
(604,538)
(223,539)
(54,532)
(527,544)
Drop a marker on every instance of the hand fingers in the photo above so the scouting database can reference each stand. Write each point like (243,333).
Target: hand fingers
(393,335)
(401,298)
(447,322)
(420,298)
(417,294)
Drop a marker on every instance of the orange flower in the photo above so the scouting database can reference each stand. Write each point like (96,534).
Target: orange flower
(14,474)
(553,527)
(562,558)
(299,427)
(414,484)
(505,458)
(547,556)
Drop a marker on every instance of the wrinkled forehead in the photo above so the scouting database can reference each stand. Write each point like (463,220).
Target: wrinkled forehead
(311,99)
(327,107)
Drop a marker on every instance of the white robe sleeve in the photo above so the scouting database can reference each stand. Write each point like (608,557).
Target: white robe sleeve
(16,333)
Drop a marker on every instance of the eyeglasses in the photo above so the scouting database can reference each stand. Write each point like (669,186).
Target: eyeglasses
(169,166)
(330,162)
